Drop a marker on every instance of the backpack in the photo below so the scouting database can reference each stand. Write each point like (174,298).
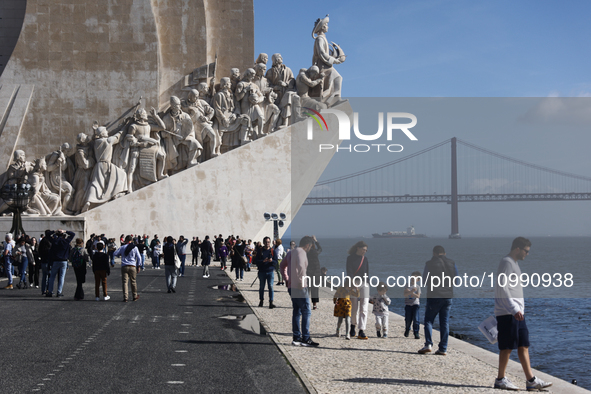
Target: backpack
(76,258)
(44,247)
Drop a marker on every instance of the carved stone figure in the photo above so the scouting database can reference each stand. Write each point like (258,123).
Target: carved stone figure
(270,110)
(232,125)
(272,113)
(204,93)
(249,96)
(44,201)
(84,164)
(324,57)
(178,134)
(107,180)
(202,114)
(260,80)
(281,79)
(262,58)
(306,81)
(19,170)
(130,145)
(140,153)
(235,78)
(57,165)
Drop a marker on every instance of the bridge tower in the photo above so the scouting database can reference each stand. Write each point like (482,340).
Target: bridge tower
(455,227)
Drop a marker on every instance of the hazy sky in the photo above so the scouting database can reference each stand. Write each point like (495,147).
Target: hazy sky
(452,49)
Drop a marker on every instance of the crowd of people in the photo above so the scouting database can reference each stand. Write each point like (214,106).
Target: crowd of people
(40,263)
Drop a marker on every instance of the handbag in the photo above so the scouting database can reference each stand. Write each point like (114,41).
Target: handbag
(17,256)
(177,260)
(242,257)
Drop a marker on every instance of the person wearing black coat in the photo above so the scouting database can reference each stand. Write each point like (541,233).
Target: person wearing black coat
(101,267)
(206,253)
(168,251)
(238,259)
(59,254)
(79,258)
(44,249)
(313,271)
(34,273)
(195,245)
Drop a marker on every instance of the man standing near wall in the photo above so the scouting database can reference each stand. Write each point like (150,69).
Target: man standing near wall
(510,314)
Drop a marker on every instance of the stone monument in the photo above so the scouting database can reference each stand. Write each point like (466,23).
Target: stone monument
(197,164)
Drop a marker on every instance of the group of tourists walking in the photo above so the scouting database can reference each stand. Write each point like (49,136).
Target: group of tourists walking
(352,301)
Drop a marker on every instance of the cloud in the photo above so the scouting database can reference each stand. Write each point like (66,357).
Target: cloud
(562,110)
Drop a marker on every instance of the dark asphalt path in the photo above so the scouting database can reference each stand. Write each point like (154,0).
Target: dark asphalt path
(161,343)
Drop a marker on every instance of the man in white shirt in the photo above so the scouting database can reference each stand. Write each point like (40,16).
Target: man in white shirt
(510,314)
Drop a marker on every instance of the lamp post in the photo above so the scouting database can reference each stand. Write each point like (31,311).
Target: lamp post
(17,196)
(277,222)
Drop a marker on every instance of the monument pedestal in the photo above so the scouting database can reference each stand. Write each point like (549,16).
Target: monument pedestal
(36,225)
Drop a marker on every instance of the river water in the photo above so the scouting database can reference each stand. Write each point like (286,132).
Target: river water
(558,317)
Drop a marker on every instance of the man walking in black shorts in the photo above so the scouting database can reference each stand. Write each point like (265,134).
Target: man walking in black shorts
(509,311)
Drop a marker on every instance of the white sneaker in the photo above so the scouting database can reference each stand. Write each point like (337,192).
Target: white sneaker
(505,384)
(107,298)
(426,349)
(98,298)
(537,384)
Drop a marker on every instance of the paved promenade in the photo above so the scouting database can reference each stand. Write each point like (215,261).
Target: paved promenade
(380,365)
(198,340)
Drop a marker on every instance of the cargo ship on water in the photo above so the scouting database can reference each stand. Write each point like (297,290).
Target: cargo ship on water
(409,233)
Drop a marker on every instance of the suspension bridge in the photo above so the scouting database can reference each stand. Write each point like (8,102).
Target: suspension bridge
(451,172)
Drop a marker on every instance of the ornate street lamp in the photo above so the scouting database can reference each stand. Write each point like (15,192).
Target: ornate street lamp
(17,196)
